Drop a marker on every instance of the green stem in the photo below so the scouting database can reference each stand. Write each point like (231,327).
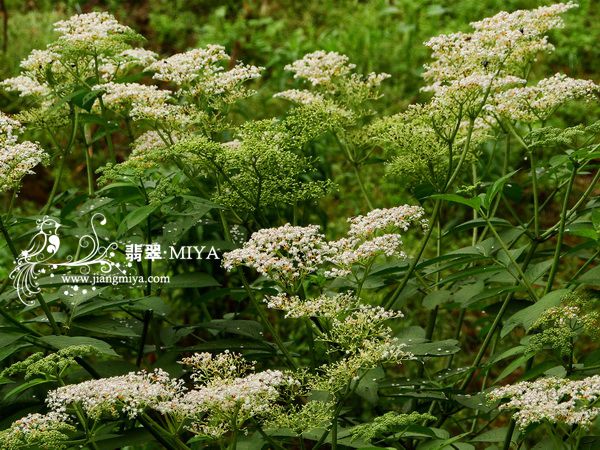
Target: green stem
(415,261)
(434,217)
(169,442)
(234,437)
(434,312)
(584,266)
(88,159)
(536,207)
(591,187)
(509,433)
(63,160)
(463,156)
(495,323)
(362,186)
(475,212)
(11,203)
(520,272)
(561,231)
(269,439)
(147,320)
(336,413)
(255,303)
(266,322)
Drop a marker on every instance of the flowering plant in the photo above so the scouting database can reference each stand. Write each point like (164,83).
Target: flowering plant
(416,276)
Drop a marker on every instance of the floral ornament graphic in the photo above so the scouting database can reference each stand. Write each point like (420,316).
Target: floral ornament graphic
(44,245)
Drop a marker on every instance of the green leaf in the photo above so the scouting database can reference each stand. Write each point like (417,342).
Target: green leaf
(527,316)
(591,277)
(248,328)
(84,98)
(495,188)
(25,386)
(477,402)
(122,192)
(474,202)
(8,350)
(108,326)
(494,435)
(59,342)
(8,337)
(130,438)
(136,217)
(436,298)
(437,348)
(368,386)
(514,365)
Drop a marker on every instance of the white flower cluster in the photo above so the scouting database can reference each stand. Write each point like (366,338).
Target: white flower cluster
(553,399)
(10,129)
(132,96)
(374,80)
(365,242)
(126,394)
(200,72)
(300,96)
(381,220)
(146,143)
(25,86)
(350,322)
(340,91)
(84,41)
(39,60)
(17,159)
(227,393)
(321,67)
(32,81)
(248,396)
(504,41)
(348,252)
(227,81)
(90,28)
(44,431)
(532,103)
(285,254)
(288,253)
(469,69)
(185,68)
(321,306)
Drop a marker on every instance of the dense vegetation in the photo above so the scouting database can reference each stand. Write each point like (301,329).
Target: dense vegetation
(273,225)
